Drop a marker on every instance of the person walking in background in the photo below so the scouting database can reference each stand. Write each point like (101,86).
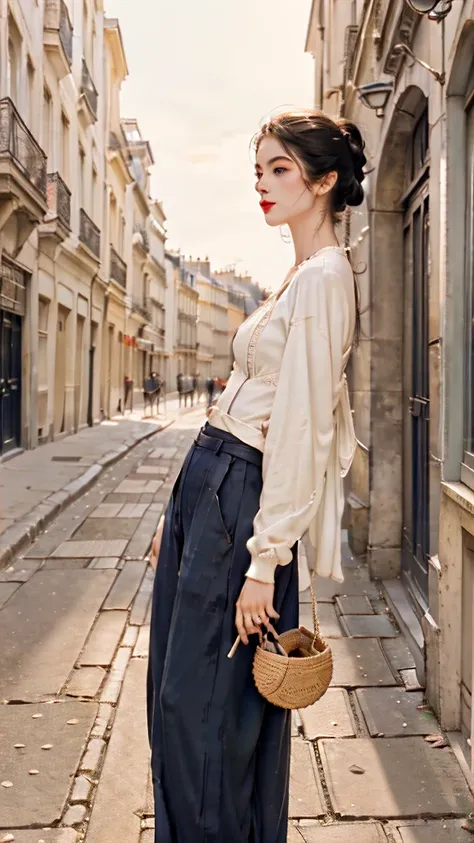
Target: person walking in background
(179,384)
(151,391)
(210,388)
(264,472)
(195,388)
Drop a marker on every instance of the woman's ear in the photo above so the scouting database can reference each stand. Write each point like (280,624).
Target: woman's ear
(326,184)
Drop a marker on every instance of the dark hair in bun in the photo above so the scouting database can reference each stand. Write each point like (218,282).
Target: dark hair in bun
(322,145)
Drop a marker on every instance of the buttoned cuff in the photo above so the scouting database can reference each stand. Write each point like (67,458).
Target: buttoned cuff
(262,568)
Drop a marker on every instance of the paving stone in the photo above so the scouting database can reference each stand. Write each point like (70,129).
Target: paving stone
(142,600)
(354,605)
(327,617)
(85,682)
(22,571)
(65,564)
(330,717)
(156,470)
(93,754)
(403,777)
(40,800)
(43,628)
(133,510)
(49,835)
(398,653)
(146,498)
(443,831)
(410,680)
(75,815)
(126,585)
(105,562)
(7,589)
(130,637)
(379,606)
(103,721)
(81,789)
(143,644)
(138,487)
(359,662)
(104,639)
(116,498)
(106,510)
(393,712)
(348,833)
(91,548)
(293,835)
(141,541)
(106,529)
(369,626)
(120,796)
(306,795)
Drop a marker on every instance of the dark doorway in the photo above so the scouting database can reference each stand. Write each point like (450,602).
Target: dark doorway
(10,381)
(415,543)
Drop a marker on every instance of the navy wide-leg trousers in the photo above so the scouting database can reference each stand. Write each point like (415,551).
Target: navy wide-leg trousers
(220,752)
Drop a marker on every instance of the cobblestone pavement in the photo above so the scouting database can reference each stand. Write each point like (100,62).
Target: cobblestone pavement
(74,625)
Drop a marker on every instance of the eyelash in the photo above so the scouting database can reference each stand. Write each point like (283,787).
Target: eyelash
(277,171)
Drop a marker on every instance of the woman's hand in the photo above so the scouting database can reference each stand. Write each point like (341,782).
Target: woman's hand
(254,608)
(156,544)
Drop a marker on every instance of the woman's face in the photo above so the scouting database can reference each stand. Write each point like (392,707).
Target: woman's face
(280,184)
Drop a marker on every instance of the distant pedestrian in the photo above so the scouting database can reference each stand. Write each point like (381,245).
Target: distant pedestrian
(264,472)
(210,388)
(179,384)
(151,391)
(195,389)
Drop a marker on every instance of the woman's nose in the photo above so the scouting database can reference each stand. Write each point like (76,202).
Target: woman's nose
(260,187)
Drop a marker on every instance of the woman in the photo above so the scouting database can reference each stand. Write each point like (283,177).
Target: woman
(264,472)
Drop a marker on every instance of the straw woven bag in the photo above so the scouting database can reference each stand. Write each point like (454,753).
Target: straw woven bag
(297,670)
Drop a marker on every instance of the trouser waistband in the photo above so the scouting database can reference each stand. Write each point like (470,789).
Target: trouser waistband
(235,448)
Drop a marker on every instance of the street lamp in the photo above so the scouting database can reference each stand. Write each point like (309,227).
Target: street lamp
(435,9)
(375,95)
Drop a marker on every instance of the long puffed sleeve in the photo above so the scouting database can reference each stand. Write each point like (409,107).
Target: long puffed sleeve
(302,424)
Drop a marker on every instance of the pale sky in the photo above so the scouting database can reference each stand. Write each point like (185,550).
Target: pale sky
(204,75)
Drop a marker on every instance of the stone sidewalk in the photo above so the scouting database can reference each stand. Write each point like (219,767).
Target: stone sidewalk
(74,626)
(36,485)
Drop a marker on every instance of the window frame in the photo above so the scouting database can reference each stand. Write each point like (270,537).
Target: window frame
(467,465)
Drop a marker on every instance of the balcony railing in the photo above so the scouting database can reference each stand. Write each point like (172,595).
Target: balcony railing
(59,199)
(57,18)
(18,144)
(88,89)
(139,307)
(89,234)
(118,268)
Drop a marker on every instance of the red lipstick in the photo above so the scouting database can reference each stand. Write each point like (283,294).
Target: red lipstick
(266,206)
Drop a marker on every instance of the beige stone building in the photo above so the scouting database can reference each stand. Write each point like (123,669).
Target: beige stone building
(186,301)
(79,280)
(205,333)
(408,80)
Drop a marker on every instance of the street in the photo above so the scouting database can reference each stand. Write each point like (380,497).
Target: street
(74,625)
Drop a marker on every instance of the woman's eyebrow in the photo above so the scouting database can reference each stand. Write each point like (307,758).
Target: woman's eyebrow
(272,161)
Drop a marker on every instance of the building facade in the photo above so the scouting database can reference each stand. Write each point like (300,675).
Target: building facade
(412,489)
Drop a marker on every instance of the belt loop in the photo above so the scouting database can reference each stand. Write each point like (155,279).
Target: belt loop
(219,446)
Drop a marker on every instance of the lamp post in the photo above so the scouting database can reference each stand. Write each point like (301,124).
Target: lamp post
(436,10)
(375,95)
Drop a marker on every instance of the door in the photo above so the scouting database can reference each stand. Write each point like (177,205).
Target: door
(415,543)
(60,372)
(10,381)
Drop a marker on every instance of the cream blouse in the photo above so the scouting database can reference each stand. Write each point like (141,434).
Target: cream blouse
(288,397)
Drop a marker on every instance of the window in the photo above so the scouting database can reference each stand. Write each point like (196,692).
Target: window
(82,178)
(64,167)
(43,314)
(469,274)
(14,59)
(113,220)
(95,195)
(31,106)
(47,124)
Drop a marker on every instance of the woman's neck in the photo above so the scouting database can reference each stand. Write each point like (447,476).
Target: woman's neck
(308,238)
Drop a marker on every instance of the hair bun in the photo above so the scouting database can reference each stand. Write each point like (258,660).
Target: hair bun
(356,146)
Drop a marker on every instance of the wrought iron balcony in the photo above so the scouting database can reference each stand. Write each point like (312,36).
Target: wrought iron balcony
(88,90)
(58,34)
(18,145)
(59,199)
(118,268)
(138,306)
(89,234)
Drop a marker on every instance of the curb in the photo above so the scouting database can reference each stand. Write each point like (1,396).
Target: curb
(16,537)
